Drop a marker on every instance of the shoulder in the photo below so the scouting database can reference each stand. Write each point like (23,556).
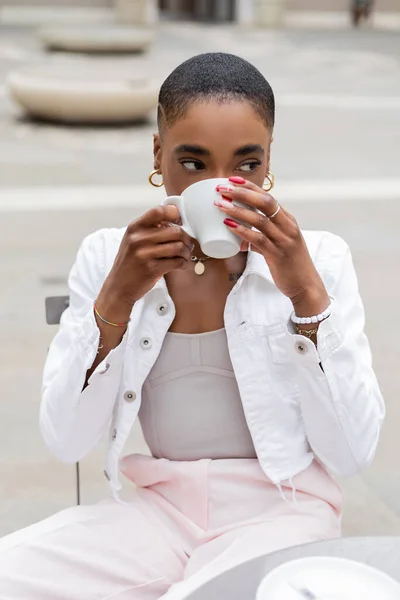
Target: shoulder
(331,256)
(103,243)
(324,246)
(108,238)
(98,250)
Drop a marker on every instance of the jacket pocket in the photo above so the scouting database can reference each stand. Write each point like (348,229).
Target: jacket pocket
(283,370)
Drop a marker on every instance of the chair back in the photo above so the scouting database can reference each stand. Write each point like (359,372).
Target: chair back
(55,306)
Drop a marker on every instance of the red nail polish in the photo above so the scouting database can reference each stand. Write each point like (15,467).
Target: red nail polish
(226,198)
(231,223)
(238,180)
(224,188)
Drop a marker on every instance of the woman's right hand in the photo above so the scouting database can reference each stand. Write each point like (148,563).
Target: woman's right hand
(150,248)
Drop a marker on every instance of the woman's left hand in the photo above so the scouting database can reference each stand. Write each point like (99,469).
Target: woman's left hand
(280,242)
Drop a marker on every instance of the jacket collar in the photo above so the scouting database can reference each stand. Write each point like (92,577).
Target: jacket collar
(256,264)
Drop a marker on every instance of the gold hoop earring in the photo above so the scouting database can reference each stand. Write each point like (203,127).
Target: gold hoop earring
(155,172)
(267,187)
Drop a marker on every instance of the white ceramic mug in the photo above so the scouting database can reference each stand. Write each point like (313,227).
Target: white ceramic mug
(204,221)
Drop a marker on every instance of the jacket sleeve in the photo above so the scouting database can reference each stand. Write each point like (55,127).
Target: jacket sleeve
(72,421)
(341,403)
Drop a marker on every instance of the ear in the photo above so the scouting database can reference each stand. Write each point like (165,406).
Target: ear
(157,152)
(268,161)
(269,155)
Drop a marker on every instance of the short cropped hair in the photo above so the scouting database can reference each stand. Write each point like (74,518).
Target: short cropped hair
(214,76)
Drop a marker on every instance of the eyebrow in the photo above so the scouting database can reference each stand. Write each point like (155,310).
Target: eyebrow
(200,151)
(249,149)
(191,149)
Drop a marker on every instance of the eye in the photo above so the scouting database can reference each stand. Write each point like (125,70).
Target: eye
(192,165)
(249,166)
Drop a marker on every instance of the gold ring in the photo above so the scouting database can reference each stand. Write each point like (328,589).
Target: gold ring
(276,212)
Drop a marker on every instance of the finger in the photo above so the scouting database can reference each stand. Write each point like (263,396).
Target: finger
(253,219)
(244,183)
(170,250)
(172,264)
(256,198)
(157,215)
(169,234)
(259,242)
(168,224)
(239,182)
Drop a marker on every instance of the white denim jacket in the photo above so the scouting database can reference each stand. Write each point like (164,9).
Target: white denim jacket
(299,402)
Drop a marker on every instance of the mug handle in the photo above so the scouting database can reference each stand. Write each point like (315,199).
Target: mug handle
(177,201)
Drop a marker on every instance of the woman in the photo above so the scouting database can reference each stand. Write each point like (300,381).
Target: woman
(246,409)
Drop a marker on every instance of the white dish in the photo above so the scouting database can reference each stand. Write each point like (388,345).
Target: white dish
(327,578)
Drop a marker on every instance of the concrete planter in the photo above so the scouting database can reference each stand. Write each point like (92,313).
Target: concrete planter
(102,39)
(269,13)
(73,95)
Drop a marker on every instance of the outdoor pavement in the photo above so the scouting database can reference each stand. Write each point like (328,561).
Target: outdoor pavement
(335,158)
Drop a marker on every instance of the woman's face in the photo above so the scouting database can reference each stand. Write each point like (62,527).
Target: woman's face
(213,139)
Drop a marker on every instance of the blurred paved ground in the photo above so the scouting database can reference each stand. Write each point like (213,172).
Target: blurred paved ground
(338,132)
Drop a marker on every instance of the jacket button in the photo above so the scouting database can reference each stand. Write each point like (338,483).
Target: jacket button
(146,343)
(301,348)
(162,309)
(106,475)
(107,366)
(129,396)
(114,435)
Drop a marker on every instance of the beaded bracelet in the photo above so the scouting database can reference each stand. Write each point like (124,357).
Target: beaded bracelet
(109,322)
(315,319)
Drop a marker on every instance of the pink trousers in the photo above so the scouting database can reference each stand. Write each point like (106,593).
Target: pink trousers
(188,521)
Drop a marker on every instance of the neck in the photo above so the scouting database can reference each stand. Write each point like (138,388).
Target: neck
(197,251)
(234,264)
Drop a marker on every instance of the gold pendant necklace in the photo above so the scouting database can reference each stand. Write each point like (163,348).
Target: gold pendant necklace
(199,267)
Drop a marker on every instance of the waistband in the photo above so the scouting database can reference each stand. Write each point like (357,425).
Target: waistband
(228,474)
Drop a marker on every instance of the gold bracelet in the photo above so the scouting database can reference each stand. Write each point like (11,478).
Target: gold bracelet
(309,333)
(109,322)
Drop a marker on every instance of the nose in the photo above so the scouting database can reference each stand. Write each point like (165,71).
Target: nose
(221,174)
